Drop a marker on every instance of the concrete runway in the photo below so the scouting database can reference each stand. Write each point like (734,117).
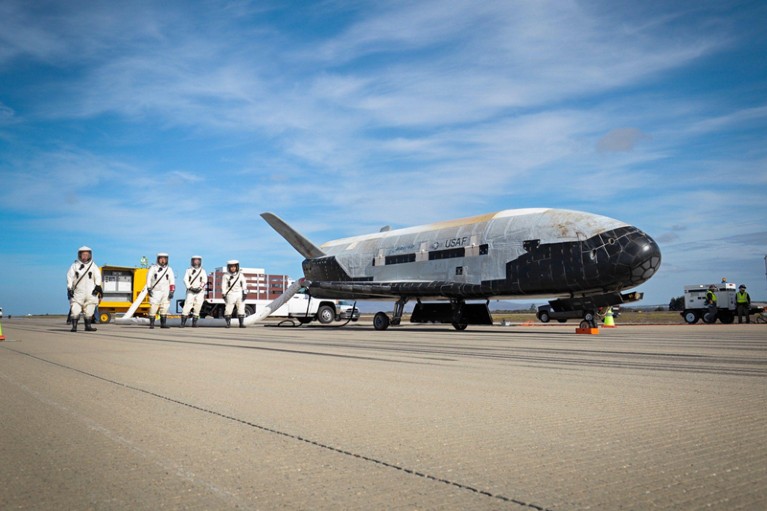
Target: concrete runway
(417,417)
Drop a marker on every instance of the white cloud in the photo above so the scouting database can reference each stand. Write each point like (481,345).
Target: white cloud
(188,176)
(7,114)
(739,118)
(61,33)
(499,56)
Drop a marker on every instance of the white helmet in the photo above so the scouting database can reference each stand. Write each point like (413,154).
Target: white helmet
(162,254)
(191,260)
(84,249)
(233,262)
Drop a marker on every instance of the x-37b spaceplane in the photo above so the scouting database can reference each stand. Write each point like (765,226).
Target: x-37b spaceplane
(452,269)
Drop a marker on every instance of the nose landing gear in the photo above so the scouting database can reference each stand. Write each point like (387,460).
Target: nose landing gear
(589,320)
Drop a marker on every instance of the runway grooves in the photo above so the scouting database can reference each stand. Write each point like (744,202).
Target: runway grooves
(291,436)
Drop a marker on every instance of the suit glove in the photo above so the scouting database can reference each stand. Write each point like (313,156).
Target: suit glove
(170,295)
(97,291)
(244,295)
(70,294)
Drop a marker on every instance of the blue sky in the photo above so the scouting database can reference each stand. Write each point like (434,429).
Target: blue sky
(138,127)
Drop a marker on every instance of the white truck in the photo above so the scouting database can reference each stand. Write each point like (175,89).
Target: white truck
(263,288)
(695,307)
(305,309)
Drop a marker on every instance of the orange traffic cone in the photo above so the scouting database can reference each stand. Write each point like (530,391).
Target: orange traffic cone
(2,337)
(609,321)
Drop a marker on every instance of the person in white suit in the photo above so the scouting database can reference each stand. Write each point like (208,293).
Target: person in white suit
(83,288)
(195,280)
(234,288)
(160,286)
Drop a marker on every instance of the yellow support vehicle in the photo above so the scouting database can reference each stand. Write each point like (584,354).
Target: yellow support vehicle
(121,285)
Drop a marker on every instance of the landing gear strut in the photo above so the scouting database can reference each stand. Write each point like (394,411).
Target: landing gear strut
(399,309)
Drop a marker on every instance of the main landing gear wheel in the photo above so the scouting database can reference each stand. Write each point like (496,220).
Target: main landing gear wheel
(586,324)
(460,326)
(381,321)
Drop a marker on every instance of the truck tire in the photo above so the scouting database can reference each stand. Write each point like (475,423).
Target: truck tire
(326,314)
(543,316)
(707,318)
(691,317)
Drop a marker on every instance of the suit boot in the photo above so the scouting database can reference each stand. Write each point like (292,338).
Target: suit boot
(74,324)
(242,321)
(228,321)
(194,321)
(183,321)
(88,327)
(151,322)
(164,322)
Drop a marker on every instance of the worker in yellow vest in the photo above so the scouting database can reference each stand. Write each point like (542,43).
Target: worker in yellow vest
(743,301)
(710,316)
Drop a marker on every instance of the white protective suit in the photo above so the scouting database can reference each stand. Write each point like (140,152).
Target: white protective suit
(82,279)
(159,283)
(233,287)
(195,280)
